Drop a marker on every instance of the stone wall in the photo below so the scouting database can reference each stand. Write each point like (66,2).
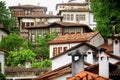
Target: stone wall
(22,72)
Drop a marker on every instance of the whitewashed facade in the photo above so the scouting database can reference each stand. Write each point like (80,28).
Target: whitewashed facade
(77,13)
(2,61)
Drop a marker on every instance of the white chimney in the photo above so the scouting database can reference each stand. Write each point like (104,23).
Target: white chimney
(109,41)
(77,62)
(116,47)
(103,64)
(90,58)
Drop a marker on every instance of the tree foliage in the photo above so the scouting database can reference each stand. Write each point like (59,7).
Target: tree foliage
(44,64)
(42,47)
(7,19)
(11,42)
(107,14)
(2,77)
(16,58)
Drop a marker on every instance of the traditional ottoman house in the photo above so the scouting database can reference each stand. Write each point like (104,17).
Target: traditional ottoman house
(100,62)
(27,9)
(60,27)
(77,11)
(102,68)
(35,21)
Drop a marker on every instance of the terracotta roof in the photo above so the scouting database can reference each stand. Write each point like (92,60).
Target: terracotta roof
(62,24)
(27,6)
(57,72)
(108,48)
(8,32)
(73,38)
(41,16)
(91,68)
(69,24)
(6,52)
(85,75)
(75,10)
(72,4)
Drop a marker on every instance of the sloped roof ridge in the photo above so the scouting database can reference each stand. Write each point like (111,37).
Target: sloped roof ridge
(72,38)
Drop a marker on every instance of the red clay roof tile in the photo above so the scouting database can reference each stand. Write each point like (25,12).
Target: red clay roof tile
(72,38)
(84,75)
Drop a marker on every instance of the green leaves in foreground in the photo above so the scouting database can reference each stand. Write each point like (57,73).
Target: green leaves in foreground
(16,58)
(44,64)
(11,42)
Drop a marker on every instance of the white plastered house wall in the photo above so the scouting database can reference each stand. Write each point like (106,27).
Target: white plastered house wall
(2,61)
(65,59)
(86,21)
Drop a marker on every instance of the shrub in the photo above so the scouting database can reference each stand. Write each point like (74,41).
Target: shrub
(44,64)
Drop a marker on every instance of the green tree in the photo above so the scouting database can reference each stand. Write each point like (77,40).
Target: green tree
(6,18)
(2,77)
(42,48)
(16,58)
(107,14)
(44,64)
(11,42)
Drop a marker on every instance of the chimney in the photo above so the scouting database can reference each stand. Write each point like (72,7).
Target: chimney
(116,47)
(90,57)
(103,63)
(50,13)
(109,41)
(77,62)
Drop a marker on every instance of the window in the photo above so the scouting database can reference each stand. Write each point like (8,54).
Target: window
(32,24)
(82,16)
(59,50)
(72,17)
(23,25)
(77,18)
(55,51)
(33,38)
(64,16)
(65,48)
(68,17)
(27,24)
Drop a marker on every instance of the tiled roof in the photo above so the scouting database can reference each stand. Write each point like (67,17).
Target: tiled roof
(6,52)
(84,75)
(58,72)
(73,38)
(62,24)
(71,4)
(107,47)
(69,24)
(8,32)
(27,6)
(75,10)
(90,68)
(41,16)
